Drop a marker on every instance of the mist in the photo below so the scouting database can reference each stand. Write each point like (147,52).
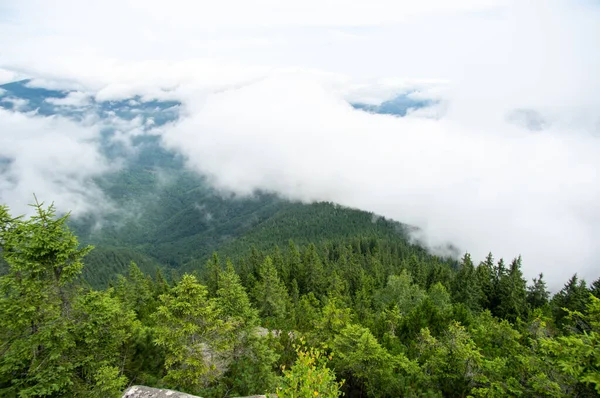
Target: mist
(54,159)
(506,161)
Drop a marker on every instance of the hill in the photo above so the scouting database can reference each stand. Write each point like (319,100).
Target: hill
(159,214)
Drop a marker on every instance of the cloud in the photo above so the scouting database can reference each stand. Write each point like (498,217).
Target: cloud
(506,161)
(504,189)
(52,157)
(16,103)
(7,76)
(74,98)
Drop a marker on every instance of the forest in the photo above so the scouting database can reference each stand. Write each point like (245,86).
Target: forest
(334,313)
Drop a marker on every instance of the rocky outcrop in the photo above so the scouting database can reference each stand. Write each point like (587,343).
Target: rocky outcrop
(149,392)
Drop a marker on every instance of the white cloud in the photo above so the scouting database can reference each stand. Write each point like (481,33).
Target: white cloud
(74,98)
(17,103)
(502,189)
(7,76)
(265,85)
(51,157)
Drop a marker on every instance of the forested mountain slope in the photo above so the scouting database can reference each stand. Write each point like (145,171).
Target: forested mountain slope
(367,317)
(160,215)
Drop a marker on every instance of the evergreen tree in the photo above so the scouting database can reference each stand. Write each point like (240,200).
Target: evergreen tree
(196,340)
(309,377)
(233,301)
(252,358)
(574,296)
(314,273)
(595,288)
(35,298)
(296,267)
(213,273)
(137,292)
(485,276)
(364,364)
(578,355)
(47,334)
(270,295)
(537,294)
(466,288)
(512,291)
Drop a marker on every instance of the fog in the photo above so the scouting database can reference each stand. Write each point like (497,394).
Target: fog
(506,161)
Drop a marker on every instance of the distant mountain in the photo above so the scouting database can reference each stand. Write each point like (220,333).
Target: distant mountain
(168,217)
(398,106)
(22,97)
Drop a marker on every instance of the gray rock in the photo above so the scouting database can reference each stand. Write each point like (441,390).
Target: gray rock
(149,392)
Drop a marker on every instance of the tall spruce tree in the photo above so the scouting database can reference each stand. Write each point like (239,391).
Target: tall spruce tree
(270,295)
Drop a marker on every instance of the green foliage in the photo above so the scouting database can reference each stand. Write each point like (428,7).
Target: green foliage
(271,295)
(538,294)
(54,339)
(574,296)
(109,383)
(578,355)
(387,317)
(452,362)
(364,363)
(309,377)
(197,342)
(233,300)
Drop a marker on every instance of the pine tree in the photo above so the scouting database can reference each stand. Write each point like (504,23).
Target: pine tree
(314,273)
(512,293)
(271,295)
(466,288)
(53,340)
(296,267)
(137,292)
(485,279)
(537,294)
(282,267)
(196,339)
(252,357)
(213,272)
(233,300)
(574,296)
(595,288)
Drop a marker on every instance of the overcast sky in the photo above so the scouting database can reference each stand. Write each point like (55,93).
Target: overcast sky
(265,85)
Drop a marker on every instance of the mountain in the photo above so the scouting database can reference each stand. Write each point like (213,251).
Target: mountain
(165,216)
(318,299)
(399,105)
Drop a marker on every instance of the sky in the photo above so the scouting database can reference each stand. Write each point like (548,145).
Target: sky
(265,87)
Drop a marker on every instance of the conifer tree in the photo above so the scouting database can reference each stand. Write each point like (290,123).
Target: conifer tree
(296,267)
(485,279)
(512,291)
(197,341)
(314,273)
(466,288)
(537,294)
(271,295)
(595,288)
(233,300)
(574,296)
(213,273)
(47,333)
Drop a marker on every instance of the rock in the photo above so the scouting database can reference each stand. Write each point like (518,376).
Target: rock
(149,392)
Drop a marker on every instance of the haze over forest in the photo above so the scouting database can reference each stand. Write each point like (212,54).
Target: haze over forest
(502,158)
(308,198)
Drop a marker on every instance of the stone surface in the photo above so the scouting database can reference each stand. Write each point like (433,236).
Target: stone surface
(149,392)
